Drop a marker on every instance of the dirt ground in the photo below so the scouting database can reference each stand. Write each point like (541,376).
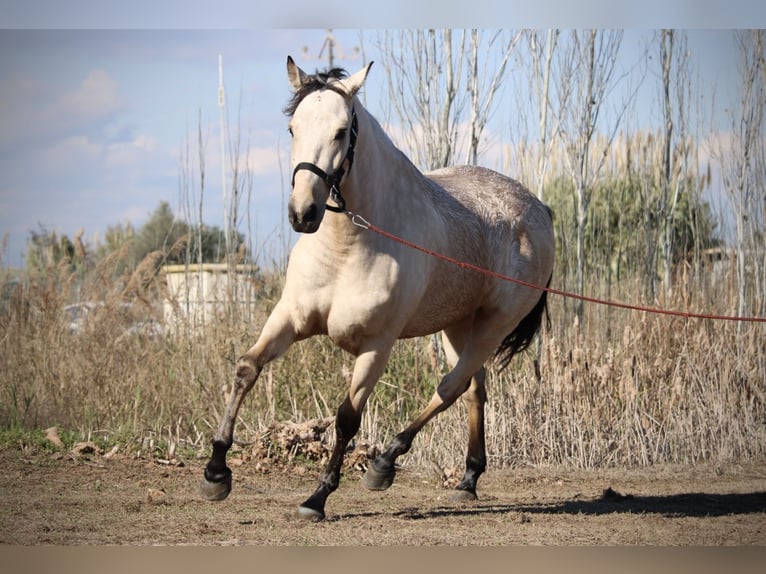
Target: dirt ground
(63,499)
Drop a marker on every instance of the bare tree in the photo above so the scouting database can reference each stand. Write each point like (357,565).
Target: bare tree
(187,192)
(482,97)
(241,188)
(743,164)
(443,86)
(674,89)
(584,77)
(542,64)
(424,72)
(429,74)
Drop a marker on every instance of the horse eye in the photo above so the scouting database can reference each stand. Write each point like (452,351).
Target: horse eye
(340,135)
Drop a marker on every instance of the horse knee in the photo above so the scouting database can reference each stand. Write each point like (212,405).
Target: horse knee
(246,372)
(347,420)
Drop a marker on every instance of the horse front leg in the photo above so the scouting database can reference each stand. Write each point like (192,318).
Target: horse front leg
(216,482)
(277,336)
(368,368)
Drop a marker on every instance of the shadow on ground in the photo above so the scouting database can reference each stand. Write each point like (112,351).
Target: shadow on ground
(611,502)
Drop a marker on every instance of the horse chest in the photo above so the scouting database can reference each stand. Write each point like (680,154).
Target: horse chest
(356,314)
(363,301)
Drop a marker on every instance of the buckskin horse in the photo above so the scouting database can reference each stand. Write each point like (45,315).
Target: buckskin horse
(365,290)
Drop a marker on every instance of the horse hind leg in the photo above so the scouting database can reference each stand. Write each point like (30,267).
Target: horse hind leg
(467,373)
(475,398)
(382,471)
(476,458)
(380,475)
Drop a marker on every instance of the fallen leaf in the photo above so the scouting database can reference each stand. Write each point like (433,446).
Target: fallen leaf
(112,452)
(156,496)
(52,434)
(84,448)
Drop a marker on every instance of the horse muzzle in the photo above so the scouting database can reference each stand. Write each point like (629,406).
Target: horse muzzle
(305,220)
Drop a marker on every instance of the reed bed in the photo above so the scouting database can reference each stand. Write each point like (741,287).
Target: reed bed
(613,388)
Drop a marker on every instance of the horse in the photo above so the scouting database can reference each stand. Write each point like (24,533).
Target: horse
(365,290)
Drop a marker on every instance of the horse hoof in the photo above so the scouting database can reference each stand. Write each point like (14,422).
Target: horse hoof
(215,490)
(460,495)
(375,479)
(311,514)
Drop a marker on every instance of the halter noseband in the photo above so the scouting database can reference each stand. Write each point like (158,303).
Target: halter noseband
(333,180)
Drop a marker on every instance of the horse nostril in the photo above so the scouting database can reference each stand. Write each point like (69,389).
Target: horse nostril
(305,221)
(311,214)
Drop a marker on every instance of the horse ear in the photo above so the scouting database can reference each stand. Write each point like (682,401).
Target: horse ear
(354,83)
(295,74)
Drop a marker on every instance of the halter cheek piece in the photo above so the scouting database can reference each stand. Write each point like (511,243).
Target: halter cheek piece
(333,180)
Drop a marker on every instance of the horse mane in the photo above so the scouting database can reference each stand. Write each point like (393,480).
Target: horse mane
(319,81)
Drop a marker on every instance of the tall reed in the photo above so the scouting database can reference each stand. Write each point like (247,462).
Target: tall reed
(616,388)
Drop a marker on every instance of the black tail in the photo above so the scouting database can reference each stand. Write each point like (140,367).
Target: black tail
(521,337)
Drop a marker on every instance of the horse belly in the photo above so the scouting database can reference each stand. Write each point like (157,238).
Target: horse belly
(450,297)
(397,305)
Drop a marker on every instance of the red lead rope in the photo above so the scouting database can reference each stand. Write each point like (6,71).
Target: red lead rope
(360,221)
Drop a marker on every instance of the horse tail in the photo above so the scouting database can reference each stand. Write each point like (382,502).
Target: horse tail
(524,333)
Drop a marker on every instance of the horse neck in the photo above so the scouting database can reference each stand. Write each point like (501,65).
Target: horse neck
(382,180)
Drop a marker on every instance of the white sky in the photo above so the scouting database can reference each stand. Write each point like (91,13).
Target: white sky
(93,122)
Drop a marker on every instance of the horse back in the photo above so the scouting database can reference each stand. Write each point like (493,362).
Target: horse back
(510,229)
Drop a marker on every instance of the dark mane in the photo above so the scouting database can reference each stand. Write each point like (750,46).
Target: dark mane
(317,81)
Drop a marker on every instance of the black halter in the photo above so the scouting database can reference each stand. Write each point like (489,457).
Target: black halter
(333,180)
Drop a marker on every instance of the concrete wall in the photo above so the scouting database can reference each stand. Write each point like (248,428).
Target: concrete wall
(198,294)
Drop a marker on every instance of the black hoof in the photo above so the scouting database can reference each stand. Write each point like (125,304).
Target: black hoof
(377,479)
(216,487)
(463,495)
(313,507)
(311,514)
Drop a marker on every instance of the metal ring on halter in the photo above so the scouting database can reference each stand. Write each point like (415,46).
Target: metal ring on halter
(358,220)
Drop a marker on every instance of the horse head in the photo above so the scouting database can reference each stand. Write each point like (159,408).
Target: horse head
(323,130)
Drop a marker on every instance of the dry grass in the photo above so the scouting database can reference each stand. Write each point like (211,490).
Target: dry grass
(621,388)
